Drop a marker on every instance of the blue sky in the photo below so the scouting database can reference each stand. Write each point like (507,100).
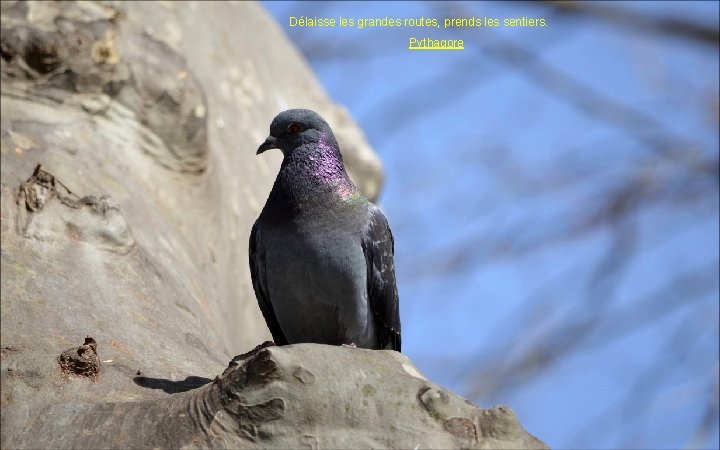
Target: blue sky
(485,156)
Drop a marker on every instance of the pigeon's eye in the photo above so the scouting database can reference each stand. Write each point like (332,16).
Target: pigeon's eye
(293,128)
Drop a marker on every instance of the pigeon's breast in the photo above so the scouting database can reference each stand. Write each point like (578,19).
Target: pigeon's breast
(317,284)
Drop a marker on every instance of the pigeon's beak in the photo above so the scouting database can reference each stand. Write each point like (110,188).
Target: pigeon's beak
(270,142)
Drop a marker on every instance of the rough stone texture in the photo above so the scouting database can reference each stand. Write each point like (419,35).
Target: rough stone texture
(83,361)
(129,185)
(261,402)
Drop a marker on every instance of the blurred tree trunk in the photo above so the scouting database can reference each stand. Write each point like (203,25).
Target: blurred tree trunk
(129,185)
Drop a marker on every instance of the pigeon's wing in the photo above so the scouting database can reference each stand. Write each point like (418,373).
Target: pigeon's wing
(259,282)
(379,248)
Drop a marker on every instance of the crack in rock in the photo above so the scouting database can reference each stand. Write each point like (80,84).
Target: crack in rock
(87,219)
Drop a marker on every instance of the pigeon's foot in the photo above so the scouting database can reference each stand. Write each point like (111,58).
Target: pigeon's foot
(240,358)
(350,345)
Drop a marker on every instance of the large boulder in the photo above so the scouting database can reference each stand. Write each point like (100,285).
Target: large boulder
(129,186)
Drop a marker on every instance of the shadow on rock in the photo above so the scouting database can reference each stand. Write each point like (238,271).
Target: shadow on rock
(172,387)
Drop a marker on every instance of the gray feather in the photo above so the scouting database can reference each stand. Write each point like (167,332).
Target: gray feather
(321,255)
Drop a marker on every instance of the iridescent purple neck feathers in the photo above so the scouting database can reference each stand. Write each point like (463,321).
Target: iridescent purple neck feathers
(312,179)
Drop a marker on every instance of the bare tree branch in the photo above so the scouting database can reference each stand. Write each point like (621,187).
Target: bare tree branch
(632,20)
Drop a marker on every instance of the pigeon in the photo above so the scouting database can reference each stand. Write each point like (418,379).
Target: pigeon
(321,254)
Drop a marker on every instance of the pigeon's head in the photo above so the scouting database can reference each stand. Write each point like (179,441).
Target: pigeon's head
(295,127)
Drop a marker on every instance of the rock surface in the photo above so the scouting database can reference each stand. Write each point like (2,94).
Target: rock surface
(129,185)
(290,397)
